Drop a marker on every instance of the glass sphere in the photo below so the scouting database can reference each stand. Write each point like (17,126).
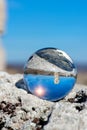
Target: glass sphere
(50,74)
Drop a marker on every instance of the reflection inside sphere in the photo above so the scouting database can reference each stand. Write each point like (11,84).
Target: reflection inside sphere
(50,74)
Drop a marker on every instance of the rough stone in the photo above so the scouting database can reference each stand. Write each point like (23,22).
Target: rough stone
(20,110)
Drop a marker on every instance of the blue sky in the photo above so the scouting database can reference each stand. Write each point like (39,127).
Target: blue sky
(34,24)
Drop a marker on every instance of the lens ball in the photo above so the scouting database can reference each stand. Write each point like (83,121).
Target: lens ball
(50,74)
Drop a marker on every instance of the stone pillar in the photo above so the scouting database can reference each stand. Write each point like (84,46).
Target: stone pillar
(2,28)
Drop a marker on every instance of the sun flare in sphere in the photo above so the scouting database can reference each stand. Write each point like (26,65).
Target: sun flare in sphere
(39,91)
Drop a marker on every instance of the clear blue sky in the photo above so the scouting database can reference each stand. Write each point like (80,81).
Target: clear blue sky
(34,24)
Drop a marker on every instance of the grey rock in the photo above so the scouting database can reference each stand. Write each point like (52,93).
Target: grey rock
(71,112)
(20,110)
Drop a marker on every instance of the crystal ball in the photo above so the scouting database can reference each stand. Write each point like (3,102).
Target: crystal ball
(50,74)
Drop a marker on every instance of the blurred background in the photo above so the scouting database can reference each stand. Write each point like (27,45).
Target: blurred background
(29,25)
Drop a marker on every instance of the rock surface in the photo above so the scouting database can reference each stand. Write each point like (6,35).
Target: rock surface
(20,110)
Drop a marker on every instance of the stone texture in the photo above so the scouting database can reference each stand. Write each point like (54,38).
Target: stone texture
(20,110)
(71,112)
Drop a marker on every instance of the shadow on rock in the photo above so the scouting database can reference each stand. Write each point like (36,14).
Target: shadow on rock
(21,85)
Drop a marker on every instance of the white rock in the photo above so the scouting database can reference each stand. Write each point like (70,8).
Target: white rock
(20,110)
